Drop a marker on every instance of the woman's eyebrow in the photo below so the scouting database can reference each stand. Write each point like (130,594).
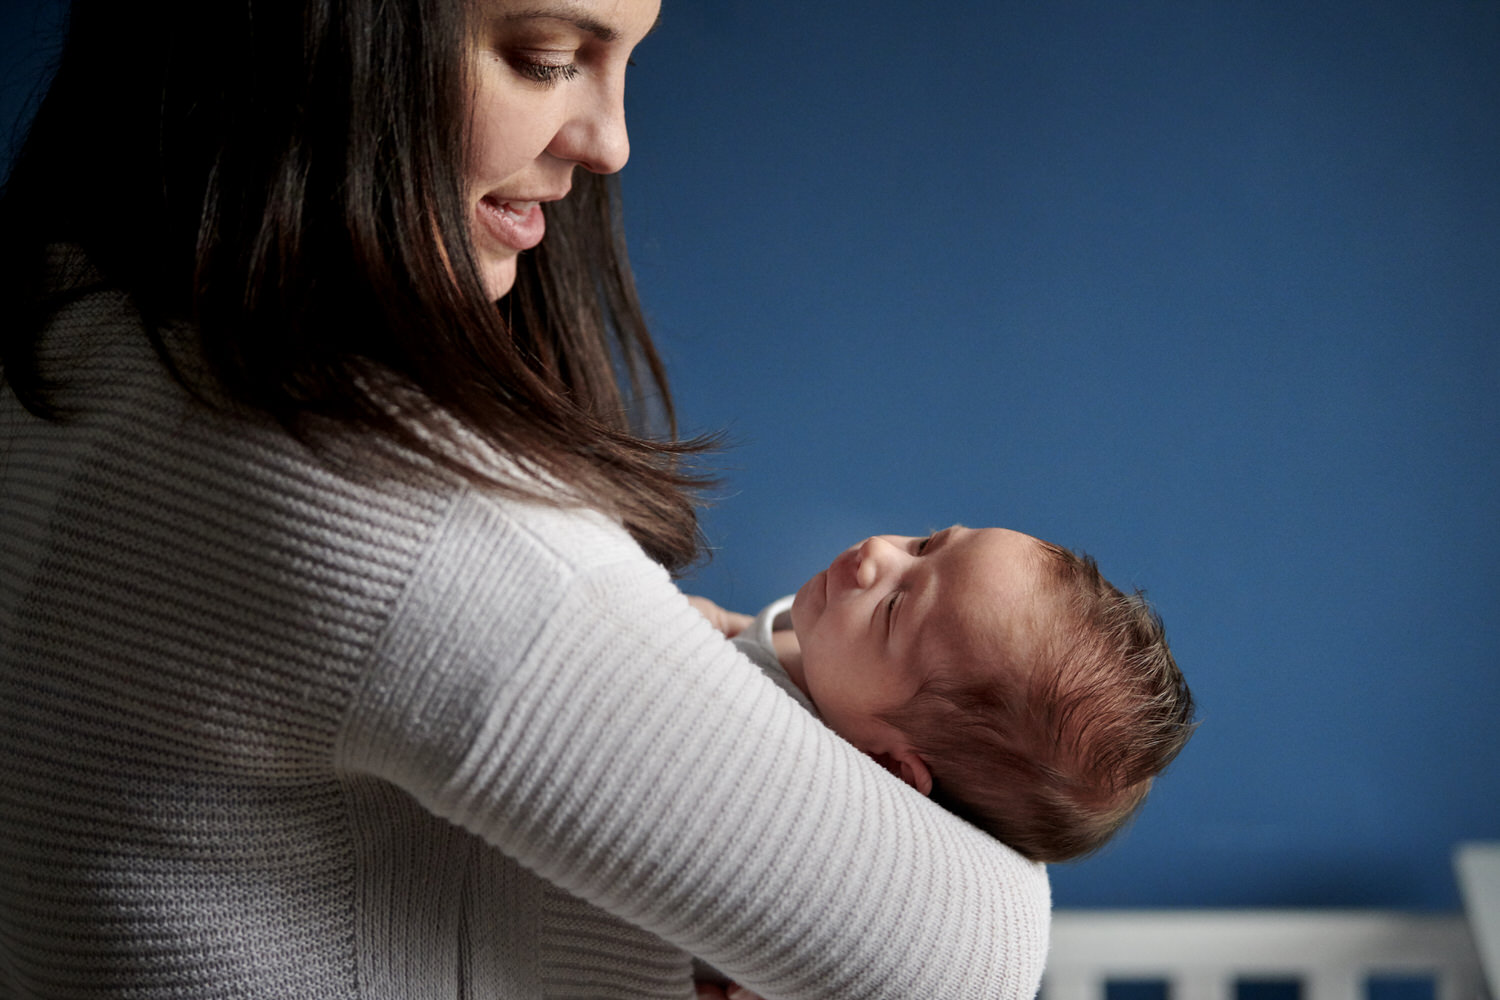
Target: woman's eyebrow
(565,12)
(574,15)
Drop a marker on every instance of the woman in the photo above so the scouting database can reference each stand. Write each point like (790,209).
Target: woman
(339,655)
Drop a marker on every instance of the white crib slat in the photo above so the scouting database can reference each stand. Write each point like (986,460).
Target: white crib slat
(1201,954)
(1477,865)
(1074,985)
(1199,985)
(1334,982)
(1459,985)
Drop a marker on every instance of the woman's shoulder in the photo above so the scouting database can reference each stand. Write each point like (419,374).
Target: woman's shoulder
(128,412)
(538,543)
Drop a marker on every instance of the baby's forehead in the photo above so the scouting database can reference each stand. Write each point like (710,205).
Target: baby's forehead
(999,569)
(1002,604)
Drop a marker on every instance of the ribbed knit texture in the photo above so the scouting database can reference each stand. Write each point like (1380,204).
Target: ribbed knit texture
(759,647)
(269,732)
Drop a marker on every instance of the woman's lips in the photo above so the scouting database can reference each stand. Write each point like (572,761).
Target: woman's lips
(518,225)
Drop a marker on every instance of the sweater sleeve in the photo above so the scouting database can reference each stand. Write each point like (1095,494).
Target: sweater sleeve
(545,686)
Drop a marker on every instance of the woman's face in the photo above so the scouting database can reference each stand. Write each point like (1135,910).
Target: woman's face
(549,95)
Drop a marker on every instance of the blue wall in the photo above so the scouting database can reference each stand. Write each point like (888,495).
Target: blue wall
(1210,291)
(28,40)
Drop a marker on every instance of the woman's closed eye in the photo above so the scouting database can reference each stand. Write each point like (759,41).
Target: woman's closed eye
(546,69)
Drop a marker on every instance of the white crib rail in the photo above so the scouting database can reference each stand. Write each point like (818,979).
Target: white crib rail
(1201,954)
(1477,865)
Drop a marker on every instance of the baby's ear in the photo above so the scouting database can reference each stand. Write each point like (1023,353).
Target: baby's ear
(909,766)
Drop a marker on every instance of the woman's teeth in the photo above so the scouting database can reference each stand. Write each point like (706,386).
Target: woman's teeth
(517,208)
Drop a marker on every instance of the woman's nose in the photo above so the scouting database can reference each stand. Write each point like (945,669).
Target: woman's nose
(595,137)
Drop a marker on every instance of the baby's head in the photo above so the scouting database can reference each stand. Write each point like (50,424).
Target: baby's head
(1000,674)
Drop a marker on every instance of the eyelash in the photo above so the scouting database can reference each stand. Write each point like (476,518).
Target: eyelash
(551,74)
(890,604)
(546,73)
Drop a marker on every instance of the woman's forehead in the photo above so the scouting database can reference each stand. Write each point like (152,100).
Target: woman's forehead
(605,20)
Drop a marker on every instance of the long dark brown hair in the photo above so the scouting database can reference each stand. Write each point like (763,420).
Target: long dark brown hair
(278,173)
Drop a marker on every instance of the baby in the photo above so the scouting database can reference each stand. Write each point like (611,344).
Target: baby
(998,673)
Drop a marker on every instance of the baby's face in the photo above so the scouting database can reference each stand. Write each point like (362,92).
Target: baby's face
(864,623)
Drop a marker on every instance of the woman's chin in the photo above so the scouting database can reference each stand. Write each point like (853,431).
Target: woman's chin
(499,277)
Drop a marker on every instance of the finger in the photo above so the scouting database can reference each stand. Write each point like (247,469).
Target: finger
(735,623)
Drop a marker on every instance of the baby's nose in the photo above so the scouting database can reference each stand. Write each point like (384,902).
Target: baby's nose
(870,561)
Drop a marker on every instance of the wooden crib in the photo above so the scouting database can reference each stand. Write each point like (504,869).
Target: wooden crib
(1260,955)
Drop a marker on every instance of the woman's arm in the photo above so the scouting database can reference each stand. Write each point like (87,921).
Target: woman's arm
(584,719)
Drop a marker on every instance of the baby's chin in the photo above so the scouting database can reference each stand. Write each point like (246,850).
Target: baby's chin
(809,601)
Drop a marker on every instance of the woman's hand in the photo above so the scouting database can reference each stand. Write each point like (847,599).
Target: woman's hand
(731,623)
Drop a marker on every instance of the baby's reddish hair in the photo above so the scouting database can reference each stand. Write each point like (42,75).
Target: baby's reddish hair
(1054,756)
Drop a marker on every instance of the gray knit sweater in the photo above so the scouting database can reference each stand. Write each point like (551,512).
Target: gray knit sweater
(270,732)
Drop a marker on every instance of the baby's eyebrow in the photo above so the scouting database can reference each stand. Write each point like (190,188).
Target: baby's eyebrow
(933,541)
(939,538)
